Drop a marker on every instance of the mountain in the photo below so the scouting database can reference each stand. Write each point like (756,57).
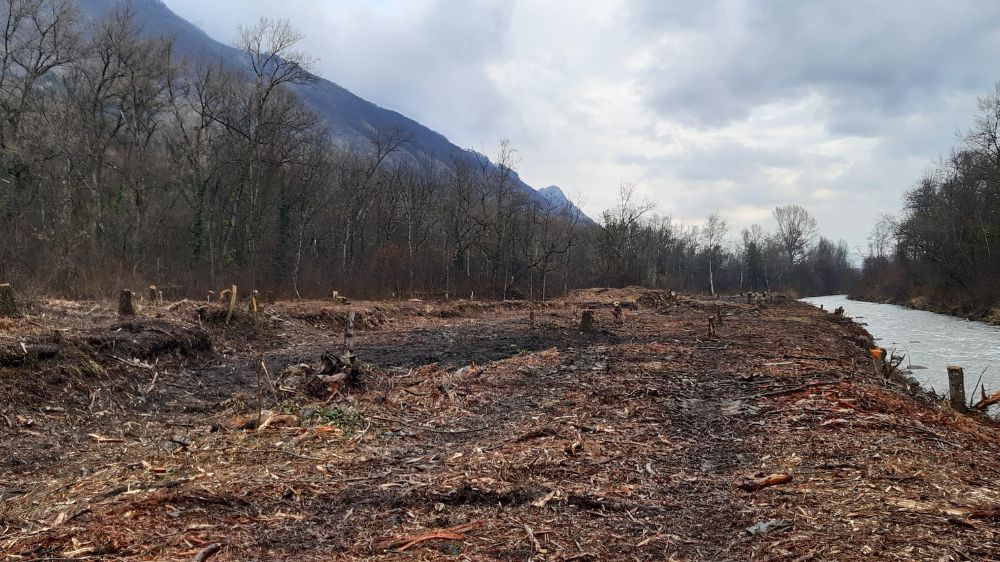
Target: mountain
(350,118)
(558,201)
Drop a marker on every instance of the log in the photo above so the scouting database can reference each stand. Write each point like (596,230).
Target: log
(956,387)
(8,305)
(24,354)
(126,303)
(760,483)
(587,321)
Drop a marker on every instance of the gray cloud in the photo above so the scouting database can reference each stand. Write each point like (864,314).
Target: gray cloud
(729,105)
(885,57)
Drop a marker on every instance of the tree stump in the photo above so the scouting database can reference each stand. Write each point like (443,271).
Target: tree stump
(153,294)
(8,306)
(349,333)
(587,321)
(126,303)
(956,387)
(232,303)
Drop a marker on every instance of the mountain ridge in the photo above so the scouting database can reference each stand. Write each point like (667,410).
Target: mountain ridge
(349,117)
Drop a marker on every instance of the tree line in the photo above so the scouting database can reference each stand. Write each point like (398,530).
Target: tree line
(635,246)
(944,248)
(122,164)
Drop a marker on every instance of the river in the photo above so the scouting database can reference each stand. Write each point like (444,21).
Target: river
(929,341)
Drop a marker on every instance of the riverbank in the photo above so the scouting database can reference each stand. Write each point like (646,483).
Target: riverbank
(968,311)
(483,431)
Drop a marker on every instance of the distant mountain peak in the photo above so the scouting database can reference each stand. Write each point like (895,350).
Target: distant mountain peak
(554,195)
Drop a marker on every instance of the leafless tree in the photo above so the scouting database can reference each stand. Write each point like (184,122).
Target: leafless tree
(796,228)
(619,234)
(712,234)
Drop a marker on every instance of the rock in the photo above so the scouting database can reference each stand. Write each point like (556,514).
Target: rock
(770,526)
(297,370)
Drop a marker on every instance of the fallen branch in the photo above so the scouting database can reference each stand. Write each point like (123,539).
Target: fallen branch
(987,401)
(793,390)
(207,552)
(533,539)
(455,533)
(103,439)
(589,502)
(767,481)
(139,486)
(430,429)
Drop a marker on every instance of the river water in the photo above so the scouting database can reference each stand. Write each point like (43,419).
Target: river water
(929,341)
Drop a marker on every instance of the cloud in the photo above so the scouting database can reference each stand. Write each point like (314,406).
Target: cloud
(886,57)
(707,105)
(428,59)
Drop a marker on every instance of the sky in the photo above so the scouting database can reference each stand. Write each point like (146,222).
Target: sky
(705,105)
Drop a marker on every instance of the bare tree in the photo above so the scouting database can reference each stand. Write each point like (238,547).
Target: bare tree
(36,37)
(881,238)
(796,228)
(713,233)
(619,234)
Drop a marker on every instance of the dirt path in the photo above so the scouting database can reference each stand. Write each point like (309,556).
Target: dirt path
(478,436)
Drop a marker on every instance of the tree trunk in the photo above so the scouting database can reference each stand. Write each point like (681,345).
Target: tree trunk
(711,277)
(298,262)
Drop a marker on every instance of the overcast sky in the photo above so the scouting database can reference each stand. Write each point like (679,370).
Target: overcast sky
(735,106)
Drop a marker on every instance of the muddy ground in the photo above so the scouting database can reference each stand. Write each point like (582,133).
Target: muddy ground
(479,431)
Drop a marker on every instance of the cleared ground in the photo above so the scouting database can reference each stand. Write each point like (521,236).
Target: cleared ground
(479,431)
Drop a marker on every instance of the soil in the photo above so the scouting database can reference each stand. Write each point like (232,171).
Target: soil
(479,431)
